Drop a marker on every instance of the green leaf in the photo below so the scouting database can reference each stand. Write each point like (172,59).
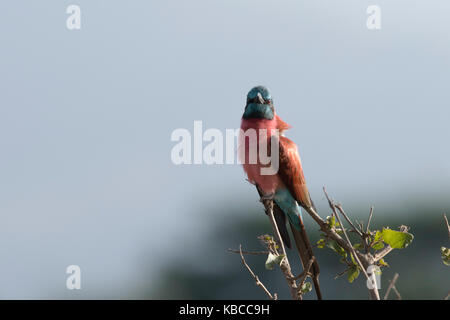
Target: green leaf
(352,273)
(378,236)
(358,246)
(273,260)
(383,263)
(321,244)
(377,243)
(353,259)
(445,254)
(306,287)
(337,248)
(378,246)
(397,239)
(331,221)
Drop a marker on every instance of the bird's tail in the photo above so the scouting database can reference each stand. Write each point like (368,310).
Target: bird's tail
(306,254)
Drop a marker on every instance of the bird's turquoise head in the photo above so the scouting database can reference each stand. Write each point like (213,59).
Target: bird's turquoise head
(259,104)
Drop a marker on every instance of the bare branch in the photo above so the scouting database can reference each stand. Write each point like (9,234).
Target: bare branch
(257,281)
(249,252)
(360,226)
(399,297)
(370,219)
(391,286)
(340,274)
(305,272)
(341,210)
(448,226)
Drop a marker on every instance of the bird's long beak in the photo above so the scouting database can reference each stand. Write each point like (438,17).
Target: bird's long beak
(260,98)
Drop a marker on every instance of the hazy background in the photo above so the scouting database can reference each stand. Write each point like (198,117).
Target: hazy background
(86,117)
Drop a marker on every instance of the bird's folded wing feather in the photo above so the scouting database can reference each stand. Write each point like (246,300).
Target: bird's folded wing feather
(291,173)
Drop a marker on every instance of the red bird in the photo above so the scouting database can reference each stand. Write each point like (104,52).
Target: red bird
(285,182)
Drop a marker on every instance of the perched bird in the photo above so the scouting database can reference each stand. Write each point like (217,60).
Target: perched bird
(287,186)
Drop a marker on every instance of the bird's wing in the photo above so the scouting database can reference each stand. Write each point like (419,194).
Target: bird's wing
(291,173)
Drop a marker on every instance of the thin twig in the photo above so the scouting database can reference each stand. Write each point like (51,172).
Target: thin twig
(341,273)
(249,252)
(305,271)
(257,281)
(391,286)
(361,226)
(331,233)
(399,297)
(448,226)
(304,275)
(339,207)
(370,219)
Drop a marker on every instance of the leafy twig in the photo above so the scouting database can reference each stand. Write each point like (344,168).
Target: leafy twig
(373,291)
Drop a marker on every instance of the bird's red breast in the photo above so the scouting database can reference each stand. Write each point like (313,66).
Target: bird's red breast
(290,172)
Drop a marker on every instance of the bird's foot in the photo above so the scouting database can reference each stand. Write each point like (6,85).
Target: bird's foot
(267,200)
